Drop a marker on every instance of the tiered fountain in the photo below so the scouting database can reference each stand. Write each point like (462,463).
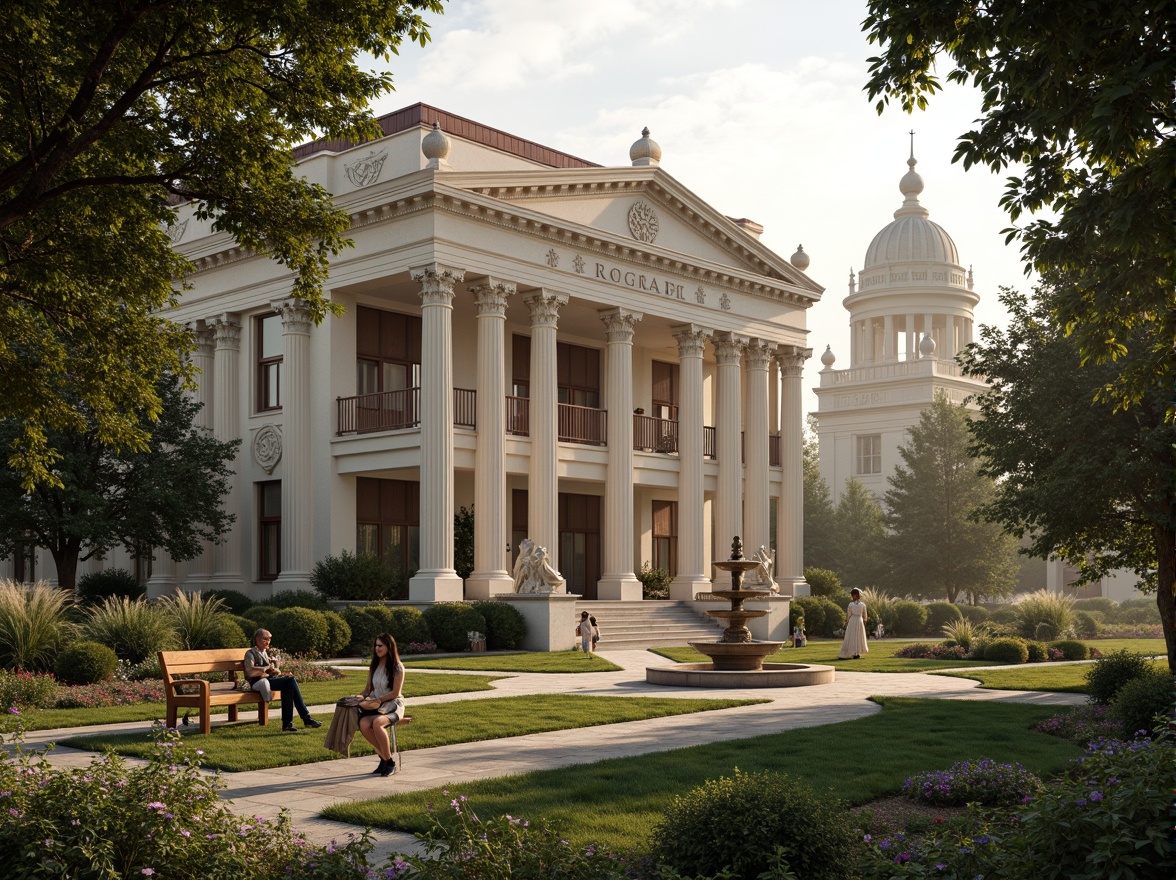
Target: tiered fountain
(737,660)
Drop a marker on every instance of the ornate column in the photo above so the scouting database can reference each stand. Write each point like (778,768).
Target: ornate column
(436,580)
(949,338)
(790,517)
(888,342)
(729,497)
(491,538)
(297,492)
(543,487)
(757,525)
(618,581)
(912,340)
(226,420)
(692,575)
(868,324)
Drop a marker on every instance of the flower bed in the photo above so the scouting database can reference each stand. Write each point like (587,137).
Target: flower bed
(1081,725)
(983,782)
(108,693)
(927,651)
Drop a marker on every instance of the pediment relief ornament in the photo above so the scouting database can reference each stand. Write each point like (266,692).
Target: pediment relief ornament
(366,171)
(175,231)
(267,448)
(643,223)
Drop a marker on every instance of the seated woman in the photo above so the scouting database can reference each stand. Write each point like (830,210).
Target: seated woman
(383,705)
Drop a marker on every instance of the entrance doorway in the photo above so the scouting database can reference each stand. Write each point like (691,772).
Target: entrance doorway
(578,553)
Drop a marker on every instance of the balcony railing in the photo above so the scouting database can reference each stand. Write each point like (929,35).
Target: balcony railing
(583,424)
(710,443)
(774,450)
(652,434)
(465,408)
(392,410)
(518,416)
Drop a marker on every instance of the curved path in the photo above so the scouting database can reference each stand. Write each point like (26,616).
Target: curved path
(306,789)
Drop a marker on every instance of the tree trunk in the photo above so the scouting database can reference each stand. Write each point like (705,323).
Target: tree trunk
(66,560)
(1166,593)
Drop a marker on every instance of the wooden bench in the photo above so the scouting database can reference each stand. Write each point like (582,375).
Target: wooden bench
(182,690)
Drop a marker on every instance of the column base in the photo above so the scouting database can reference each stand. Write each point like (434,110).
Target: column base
(622,587)
(436,586)
(684,587)
(485,584)
(225,580)
(298,581)
(162,585)
(794,586)
(197,582)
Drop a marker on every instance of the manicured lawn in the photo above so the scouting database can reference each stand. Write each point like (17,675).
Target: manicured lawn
(1156,647)
(1067,677)
(314,692)
(616,802)
(532,661)
(824,651)
(248,746)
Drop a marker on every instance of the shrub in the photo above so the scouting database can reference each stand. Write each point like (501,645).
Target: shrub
(1005,615)
(1072,650)
(1137,611)
(655,582)
(408,625)
(1007,651)
(1044,615)
(194,619)
(96,586)
(26,690)
(111,692)
(736,822)
(134,629)
(338,635)
(505,627)
(226,632)
(939,615)
(1107,676)
(1087,624)
(974,614)
(879,607)
(962,632)
(1101,604)
(352,577)
(983,782)
(1140,700)
(910,618)
(86,663)
(826,584)
(298,599)
(248,626)
(1038,652)
(234,601)
(367,622)
(813,612)
(262,615)
(449,623)
(1080,725)
(299,631)
(925,651)
(33,622)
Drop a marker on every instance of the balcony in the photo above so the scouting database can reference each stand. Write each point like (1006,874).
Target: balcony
(393,410)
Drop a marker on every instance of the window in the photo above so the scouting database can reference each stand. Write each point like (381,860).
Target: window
(665,390)
(387,521)
(665,536)
(388,351)
(869,454)
(270,350)
(269,530)
(577,372)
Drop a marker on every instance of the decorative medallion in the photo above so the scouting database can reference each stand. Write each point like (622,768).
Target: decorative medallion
(578,264)
(700,296)
(725,303)
(267,448)
(643,223)
(366,171)
(552,258)
(175,231)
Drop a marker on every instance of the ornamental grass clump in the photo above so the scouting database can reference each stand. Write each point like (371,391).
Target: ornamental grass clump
(961,631)
(1045,616)
(33,624)
(134,629)
(195,620)
(982,782)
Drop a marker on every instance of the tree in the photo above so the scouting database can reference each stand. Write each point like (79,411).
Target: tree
(861,536)
(166,497)
(1082,481)
(1081,94)
(820,528)
(113,114)
(935,549)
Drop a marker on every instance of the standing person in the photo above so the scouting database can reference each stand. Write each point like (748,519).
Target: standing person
(854,644)
(595,631)
(584,631)
(383,705)
(265,677)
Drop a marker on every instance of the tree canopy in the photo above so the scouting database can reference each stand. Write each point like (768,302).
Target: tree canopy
(861,537)
(1080,94)
(820,527)
(1078,479)
(935,549)
(166,497)
(112,114)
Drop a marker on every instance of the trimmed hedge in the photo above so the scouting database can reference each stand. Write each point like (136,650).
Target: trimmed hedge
(298,599)
(406,625)
(974,613)
(822,617)
(1072,650)
(233,601)
(96,586)
(299,631)
(910,618)
(86,663)
(939,615)
(1007,650)
(449,623)
(505,627)
(338,635)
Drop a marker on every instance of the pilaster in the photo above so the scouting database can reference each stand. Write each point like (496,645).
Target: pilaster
(297,491)
(226,556)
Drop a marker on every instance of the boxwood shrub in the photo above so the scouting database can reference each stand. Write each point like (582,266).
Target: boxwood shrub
(910,618)
(1038,652)
(1007,650)
(262,615)
(96,586)
(299,631)
(1072,649)
(449,623)
(233,601)
(298,599)
(1140,700)
(505,627)
(974,614)
(367,622)
(408,626)
(1109,674)
(939,615)
(86,663)
(338,635)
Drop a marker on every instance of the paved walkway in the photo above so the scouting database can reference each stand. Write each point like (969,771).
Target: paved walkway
(306,789)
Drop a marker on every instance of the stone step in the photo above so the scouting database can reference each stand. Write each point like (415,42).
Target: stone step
(638,625)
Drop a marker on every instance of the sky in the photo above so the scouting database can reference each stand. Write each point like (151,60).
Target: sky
(759,108)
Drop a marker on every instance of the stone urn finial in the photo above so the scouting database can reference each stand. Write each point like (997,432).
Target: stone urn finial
(435,145)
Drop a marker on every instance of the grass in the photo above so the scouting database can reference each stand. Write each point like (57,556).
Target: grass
(248,746)
(537,661)
(880,659)
(616,802)
(313,692)
(1065,677)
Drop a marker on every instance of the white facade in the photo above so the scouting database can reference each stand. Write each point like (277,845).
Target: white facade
(571,349)
(910,312)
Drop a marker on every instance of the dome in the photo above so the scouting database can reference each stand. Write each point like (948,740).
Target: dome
(912,237)
(646,150)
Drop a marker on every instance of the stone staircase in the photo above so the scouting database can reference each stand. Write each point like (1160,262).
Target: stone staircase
(647,624)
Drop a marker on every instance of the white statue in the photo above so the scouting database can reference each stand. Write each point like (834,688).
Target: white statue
(533,573)
(763,572)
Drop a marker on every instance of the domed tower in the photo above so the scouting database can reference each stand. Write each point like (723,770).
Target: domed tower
(910,312)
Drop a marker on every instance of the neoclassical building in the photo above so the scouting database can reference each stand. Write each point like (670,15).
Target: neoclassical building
(589,356)
(910,311)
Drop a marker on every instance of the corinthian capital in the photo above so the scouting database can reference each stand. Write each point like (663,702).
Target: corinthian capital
(759,354)
(729,348)
(295,315)
(791,359)
(691,340)
(619,324)
(545,308)
(437,283)
(227,328)
(490,296)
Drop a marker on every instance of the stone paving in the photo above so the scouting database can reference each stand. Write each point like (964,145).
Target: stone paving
(306,789)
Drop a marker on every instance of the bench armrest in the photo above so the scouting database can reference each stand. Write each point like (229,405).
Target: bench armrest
(205,688)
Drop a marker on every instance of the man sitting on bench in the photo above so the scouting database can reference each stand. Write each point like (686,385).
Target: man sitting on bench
(266,677)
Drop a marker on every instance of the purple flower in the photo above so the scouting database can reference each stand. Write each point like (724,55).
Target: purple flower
(902,858)
(982,839)
(867,838)
(148,872)
(1096,796)
(12,710)
(1081,802)
(939,866)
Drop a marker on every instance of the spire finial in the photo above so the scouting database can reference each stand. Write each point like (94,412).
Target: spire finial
(912,145)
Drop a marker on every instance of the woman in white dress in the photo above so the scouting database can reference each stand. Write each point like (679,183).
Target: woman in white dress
(854,644)
(382,705)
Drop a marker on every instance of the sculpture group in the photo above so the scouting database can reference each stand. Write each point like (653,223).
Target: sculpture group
(534,573)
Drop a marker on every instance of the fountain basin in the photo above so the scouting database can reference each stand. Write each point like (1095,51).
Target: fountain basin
(736,656)
(770,675)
